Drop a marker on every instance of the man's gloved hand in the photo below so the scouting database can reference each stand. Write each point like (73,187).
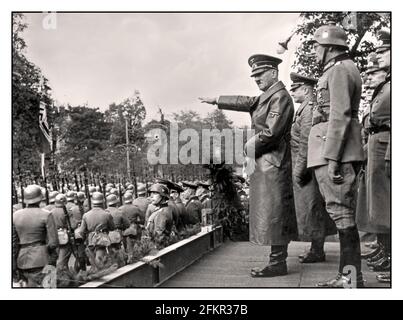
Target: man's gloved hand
(334,172)
(302,177)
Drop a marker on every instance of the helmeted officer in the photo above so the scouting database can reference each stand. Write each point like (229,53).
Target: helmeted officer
(272,218)
(35,240)
(314,223)
(159,223)
(334,146)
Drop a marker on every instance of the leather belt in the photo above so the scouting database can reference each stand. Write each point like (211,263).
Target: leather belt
(33,244)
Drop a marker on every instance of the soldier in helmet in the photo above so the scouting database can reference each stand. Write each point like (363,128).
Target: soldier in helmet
(141,202)
(160,221)
(62,226)
(52,199)
(35,240)
(95,226)
(91,190)
(119,217)
(171,203)
(314,223)
(268,162)
(334,145)
(193,205)
(130,211)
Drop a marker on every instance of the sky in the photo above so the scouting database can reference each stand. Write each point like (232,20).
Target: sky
(171,58)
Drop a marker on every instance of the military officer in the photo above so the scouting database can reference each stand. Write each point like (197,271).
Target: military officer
(159,223)
(193,205)
(314,223)
(374,76)
(176,190)
(35,240)
(334,145)
(171,203)
(379,158)
(272,218)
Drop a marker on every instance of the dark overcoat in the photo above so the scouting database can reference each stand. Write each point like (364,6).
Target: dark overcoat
(313,220)
(272,219)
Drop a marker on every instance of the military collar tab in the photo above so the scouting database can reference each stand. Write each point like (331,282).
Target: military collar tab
(336,60)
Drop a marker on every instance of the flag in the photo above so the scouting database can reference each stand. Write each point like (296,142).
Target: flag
(46,138)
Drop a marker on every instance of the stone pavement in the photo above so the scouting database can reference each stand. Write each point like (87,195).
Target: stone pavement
(229,266)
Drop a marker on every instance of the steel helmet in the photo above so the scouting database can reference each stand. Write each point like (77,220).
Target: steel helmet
(160,189)
(92,189)
(128,197)
(60,199)
(32,194)
(114,191)
(130,187)
(112,199)
(330,35)
(70,195)
(97,198)
(80,196)
(141,189)
(52,196)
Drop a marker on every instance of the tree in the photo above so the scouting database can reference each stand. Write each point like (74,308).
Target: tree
(29,87)
(85,136)
(217,120)
(357,26)
(134,111)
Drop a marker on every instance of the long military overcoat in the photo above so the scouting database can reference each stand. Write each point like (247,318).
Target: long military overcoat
(313,220)
(272,218)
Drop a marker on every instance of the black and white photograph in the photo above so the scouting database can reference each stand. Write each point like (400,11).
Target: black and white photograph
(217,149)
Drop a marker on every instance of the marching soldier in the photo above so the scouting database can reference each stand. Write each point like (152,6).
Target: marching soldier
(35,240)
(334,145)
(52,199)
(272,218)
(61,226)
(91,190)
(119,218)
(379,161)
(193,205)
(159,223)
(130,211)
(314,223)
(141,202)
(95,226)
